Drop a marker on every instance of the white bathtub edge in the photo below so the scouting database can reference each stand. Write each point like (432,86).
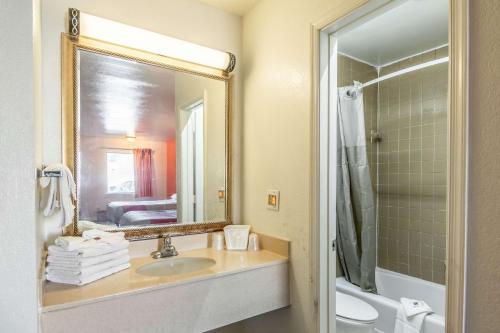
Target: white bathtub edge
(387,307)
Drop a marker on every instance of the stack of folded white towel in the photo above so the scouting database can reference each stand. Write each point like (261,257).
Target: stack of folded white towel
(81,260)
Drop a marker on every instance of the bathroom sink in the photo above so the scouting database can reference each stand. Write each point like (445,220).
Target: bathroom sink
(174,266)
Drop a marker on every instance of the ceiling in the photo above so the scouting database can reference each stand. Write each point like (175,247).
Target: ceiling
(397,31)
(238,7)
(121,97)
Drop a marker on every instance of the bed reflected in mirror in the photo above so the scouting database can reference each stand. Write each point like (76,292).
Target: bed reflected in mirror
(152,145)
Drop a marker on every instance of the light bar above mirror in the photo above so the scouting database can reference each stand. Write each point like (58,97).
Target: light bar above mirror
(122,34)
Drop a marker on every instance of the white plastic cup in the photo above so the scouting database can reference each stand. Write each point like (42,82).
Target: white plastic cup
(218,241)
(253,242)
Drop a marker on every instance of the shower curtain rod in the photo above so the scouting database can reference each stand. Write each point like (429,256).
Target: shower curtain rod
(406,70)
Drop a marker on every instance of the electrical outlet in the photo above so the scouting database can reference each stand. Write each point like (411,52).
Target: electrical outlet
(273,200)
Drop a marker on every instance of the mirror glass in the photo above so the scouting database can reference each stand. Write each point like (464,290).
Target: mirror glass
(152,145)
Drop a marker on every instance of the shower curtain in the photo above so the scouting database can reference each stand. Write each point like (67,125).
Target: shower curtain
(356,230)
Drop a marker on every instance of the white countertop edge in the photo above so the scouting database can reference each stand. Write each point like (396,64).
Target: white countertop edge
(64,306)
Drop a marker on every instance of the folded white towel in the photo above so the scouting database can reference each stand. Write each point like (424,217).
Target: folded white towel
(90,238)
(88,225)
(67,272)
(413,307)
(80,280)
(411,315)
(94,233)
(80,262)
(69,243)
(90,249)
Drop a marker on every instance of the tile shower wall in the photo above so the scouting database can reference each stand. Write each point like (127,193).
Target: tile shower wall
(411,184)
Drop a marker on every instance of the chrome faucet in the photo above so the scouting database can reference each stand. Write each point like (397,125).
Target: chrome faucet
(168,250)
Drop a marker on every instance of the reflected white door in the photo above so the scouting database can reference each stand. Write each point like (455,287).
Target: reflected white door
(192,157)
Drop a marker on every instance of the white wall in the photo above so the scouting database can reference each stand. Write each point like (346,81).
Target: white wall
(185,19)
(19,115)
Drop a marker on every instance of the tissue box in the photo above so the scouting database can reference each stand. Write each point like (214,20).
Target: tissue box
(236,236)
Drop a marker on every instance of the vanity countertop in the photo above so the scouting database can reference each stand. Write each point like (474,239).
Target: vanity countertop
(59,296)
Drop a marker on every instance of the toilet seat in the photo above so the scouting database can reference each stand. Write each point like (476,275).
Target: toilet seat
(355,309)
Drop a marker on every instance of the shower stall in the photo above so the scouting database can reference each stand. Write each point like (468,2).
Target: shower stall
(405,118)
(405,126)
(383,131)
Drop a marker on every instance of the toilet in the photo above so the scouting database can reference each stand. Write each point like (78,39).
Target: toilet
(354,315)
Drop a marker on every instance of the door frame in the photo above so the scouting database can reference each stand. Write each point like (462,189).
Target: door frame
(457,165)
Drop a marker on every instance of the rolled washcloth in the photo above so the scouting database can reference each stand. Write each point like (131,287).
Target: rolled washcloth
(71,271)
(89,249)
(62,188)
(80,262)
(82,279)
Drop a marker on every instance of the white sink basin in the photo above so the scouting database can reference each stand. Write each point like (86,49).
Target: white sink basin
(174,266)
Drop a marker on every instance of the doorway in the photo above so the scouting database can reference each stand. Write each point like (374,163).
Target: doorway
(394,191)
(192,162)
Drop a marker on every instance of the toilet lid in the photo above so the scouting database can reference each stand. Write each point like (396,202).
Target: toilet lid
(353,308)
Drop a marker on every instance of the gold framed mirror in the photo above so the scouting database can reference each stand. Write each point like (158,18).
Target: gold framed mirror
(148,139)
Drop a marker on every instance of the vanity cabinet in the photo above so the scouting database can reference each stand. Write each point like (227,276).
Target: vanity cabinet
(241,285)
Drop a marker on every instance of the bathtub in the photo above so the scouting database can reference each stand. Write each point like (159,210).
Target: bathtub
(391,287)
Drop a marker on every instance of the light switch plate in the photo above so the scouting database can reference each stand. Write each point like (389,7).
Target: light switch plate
(273,200)
(221,194)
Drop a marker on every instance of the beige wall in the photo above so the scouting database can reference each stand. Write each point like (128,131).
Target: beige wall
(189,89)
(277,143)
(189,20)
(483,296)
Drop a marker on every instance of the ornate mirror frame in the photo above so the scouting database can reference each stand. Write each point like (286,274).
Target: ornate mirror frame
(71,135)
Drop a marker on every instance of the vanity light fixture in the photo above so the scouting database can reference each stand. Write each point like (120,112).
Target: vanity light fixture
(121,34)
